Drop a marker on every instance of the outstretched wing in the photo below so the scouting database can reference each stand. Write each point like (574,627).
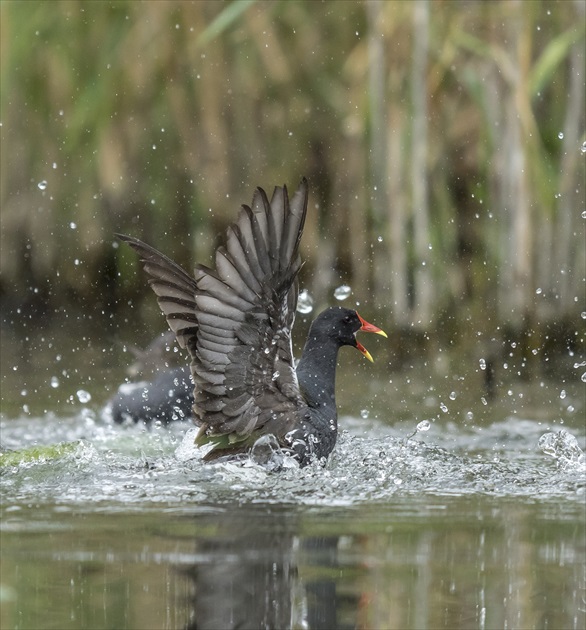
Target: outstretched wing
(236,319)
(174,287)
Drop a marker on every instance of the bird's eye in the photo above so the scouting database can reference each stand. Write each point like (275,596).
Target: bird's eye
(347,319)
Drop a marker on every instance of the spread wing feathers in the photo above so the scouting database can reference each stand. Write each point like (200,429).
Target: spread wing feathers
(236,319)
(174,288)
(243,363)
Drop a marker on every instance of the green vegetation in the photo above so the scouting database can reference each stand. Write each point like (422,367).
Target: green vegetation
(37,454)
(444,147)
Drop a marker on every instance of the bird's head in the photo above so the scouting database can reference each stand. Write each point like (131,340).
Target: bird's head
(342,324)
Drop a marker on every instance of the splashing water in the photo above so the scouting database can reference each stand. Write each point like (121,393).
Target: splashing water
(304,302)
(342,292)
(83,396)
(140,466)
(563,447)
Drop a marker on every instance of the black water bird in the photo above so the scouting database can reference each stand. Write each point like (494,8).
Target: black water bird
(235,320)
(165,398)
(159,389)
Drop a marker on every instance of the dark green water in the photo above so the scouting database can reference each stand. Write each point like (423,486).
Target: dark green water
(477,522)
(411,562)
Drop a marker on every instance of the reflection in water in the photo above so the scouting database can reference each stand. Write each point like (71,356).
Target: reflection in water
(270,568)
(321,592)
(249,577)
(418,562)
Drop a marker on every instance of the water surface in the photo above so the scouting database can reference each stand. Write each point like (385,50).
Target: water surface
(474,521)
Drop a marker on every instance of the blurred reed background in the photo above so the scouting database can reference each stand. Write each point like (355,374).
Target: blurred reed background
(444,143)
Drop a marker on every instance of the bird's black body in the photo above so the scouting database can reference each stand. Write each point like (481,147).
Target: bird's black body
(236,322)
(168,397)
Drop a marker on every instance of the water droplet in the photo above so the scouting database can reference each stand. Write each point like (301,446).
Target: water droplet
(42,185)
(561,135)
(83,396)
(584,214)
(482,364)
(583,378)
(547,443)
(564,447)
(379,239)
(342,292)
(583,147)
(364,414)
(54,382)
(538,291)
(423,426)
(304,302)
(73,225)
(276,375)
(443,408)
(583,314)
(563,394)
(453,395)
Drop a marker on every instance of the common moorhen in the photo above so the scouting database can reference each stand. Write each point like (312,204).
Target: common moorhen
(236,323)
(168,397)
(160,389)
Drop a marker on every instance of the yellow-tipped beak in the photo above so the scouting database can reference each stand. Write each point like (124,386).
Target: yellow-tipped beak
(366,327)
(364,351)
